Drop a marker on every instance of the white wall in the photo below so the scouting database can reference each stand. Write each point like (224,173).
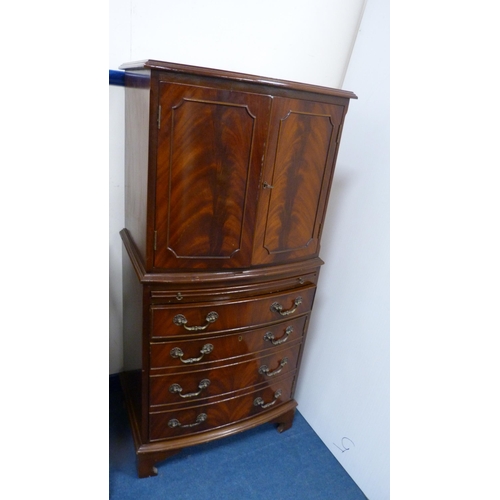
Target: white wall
(116,224)
(308,41)
(119,48)
(343,391)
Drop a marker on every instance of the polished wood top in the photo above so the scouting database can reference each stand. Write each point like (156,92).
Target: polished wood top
(240,77)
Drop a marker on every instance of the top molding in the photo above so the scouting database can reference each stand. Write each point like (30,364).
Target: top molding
(240,77)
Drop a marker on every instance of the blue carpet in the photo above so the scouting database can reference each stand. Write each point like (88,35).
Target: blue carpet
(257,464)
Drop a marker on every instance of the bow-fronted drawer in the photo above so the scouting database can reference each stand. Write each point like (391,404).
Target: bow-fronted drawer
(240,314)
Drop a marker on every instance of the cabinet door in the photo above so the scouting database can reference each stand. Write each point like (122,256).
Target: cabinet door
(298,170)
(210,149)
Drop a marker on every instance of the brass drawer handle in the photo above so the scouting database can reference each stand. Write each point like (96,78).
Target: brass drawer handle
(173,423)
(177,389)
(277,307)
(180,320)
(264,370)
(260,402)
(177,352)
(270,336)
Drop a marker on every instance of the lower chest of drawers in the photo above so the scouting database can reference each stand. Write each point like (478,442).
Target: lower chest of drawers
(208,374)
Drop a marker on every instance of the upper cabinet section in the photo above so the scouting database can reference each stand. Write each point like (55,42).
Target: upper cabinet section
(236,169)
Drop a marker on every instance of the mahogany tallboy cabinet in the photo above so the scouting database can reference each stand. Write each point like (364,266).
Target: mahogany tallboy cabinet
(227,181)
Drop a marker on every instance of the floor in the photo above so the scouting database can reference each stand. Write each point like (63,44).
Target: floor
(257,464)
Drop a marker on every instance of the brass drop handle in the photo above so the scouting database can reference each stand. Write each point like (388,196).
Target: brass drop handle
(173,423)
(264,370)
(180,320)
(177,389)
(270,336)
(260,402)
(277,307)
(177,352)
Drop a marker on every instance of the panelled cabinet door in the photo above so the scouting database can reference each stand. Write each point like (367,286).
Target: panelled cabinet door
(210,149)
(296,180)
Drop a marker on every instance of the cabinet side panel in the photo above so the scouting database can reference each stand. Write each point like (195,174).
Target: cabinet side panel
(132,316)
(136,157)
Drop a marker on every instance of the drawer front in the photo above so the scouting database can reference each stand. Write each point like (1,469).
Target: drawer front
(187,388)
(182,295)
(182,320)
(175,423)
(206,350)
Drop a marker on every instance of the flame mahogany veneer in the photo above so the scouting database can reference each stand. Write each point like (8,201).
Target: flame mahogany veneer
(227,181)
